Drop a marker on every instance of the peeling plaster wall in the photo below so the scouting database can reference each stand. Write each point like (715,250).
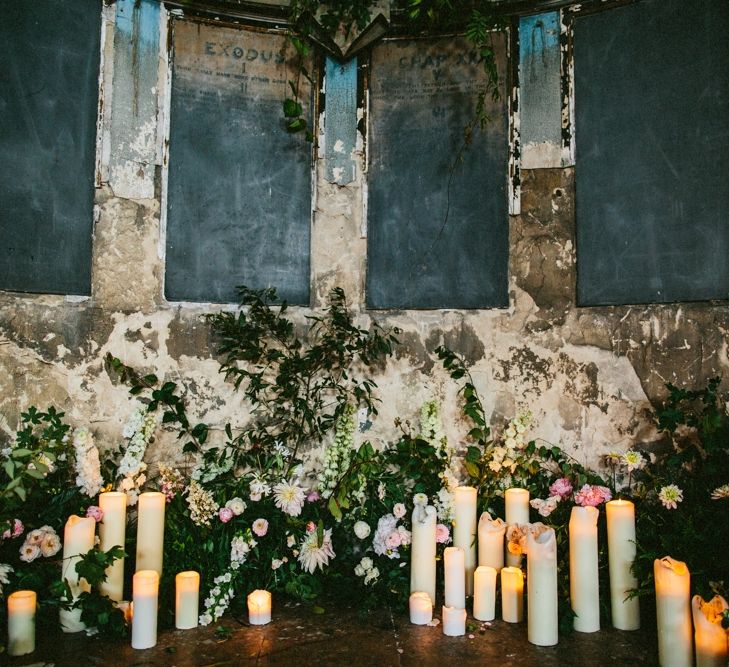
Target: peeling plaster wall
(589,375)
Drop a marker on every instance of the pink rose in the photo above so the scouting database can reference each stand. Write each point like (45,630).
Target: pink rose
(393,540)
(225,514)
(94,512)
(260,527)
(313,496)
(399,510)
(562,488)
(442,534)
(16,530)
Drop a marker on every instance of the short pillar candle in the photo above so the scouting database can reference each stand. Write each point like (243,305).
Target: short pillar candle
(421,608)
(187,596)
(484,593)
(512,594)
(517,513)
(454,621)
(21,622)
(145,590)
(259,607)
(710,638)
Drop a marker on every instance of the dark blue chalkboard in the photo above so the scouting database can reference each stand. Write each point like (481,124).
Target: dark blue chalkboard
(652,152)
(438,224)
(49,71)
(239,186)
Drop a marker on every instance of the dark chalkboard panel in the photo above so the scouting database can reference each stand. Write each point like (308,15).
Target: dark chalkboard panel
(49,70)
(239,186)
(438,225)
(652,161)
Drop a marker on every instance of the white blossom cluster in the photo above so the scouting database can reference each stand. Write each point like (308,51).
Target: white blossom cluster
(389,537)
(202,504)
(138,430)
(218,599)
(505,457)
(431,428)
(88,466)
(240,547)
(207,471)
(258,487)
(5,570)
(338,455)
(366,568)
(42,541)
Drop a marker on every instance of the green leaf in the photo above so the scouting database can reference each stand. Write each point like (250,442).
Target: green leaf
(333,507)
(295,125)
(292,108)
(20,453)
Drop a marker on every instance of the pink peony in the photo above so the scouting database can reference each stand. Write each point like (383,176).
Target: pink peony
(313,496)
(562,488)
(605,493)
(442,534)
(260,527)
(225,514)
(95,512)
(393,540)
(592,496)
(15,531)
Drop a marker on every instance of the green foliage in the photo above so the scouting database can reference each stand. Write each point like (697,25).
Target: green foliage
(93,564)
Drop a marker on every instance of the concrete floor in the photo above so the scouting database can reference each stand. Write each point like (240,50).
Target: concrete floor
(299,637)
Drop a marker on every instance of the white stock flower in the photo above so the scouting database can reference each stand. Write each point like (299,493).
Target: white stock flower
(362,530)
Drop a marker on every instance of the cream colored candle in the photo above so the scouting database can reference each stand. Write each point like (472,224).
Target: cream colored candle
(112,533)
(542,617)
(454,566)
(673,612)
(187,596)
(512,594)
(259,607)
(21,622)
(491,541)
(421,608)
(151,531)
(145,589)
(484,593)
(517,512)
(464,530)
(454,621)
(422,551)
(621,554)
(710,637)
(78,539)
(584,580)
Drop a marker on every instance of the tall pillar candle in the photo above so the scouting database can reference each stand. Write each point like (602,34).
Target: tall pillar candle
(421,608)
(145,591)
(584,581)
(517,512)
(454,621)
(112,532)
(542,615)
(621,554)
(512,594)
(710,638)
(187,599)
(673,612)
(423,550)
(484,593)
(464,529)
(21,622)
(151,531)
(78,539)
(454,566)
(491,541)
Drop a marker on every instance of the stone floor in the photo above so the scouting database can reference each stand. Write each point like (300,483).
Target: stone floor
(299,637)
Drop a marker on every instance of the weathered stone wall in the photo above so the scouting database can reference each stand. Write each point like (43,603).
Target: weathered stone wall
(589,375)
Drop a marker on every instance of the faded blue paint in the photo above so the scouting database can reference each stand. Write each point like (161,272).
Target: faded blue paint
(139,19)
(539,88)
(340,129)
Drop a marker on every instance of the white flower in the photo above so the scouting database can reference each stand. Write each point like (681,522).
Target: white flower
(399,510)
(50,545)
(5,569)
(386,526)
(202,504)
(633,460)
(406,536)
(29,552)
(720,492)
(359,570)
(362,530)
(88,466)
(236,505)
(289,497)
(35,536)
(670,495)
(420,499)
(381,491)
(259,487)
(371,576)
(290,541)
(276,563)
(313,554)
(545,507)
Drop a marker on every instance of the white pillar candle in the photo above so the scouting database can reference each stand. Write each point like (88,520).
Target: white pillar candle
(673,612)
(710,637)
(454,566)
(151,531)
(454,621)
(259,607)
(78,539)
(484,593)
(542,617)
(421,608)
(491,541)
(21,622)
(422,551)
(512,594)
(621,554)
(187,596)
(145,589)
(517,512)
(112,533)
(464,530)
(584,581)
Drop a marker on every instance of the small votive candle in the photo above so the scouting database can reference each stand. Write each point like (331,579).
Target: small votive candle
(21,622)
(145,587)
(259,607)
(187,595)
(512,594)
(484,593)
(454,621)
(421,608)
